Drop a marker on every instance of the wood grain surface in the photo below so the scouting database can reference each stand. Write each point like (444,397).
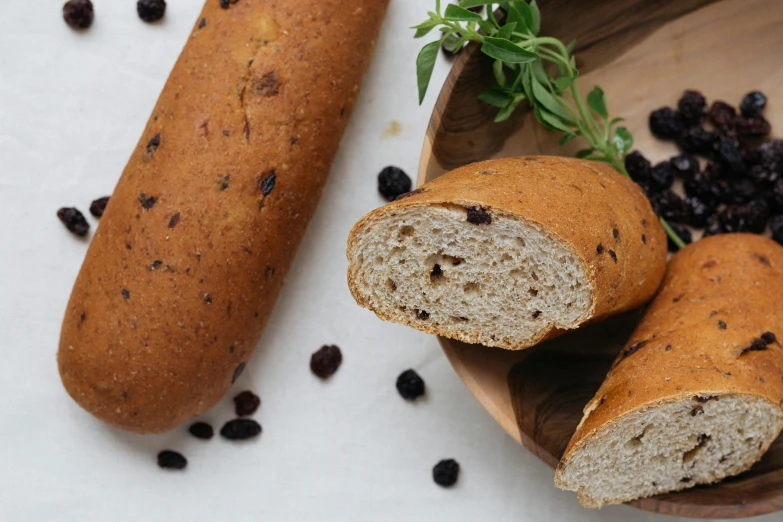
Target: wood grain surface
(643,54)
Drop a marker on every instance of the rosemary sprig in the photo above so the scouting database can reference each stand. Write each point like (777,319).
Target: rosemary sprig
(527,66)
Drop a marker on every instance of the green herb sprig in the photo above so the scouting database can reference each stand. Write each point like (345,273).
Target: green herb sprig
(527,66)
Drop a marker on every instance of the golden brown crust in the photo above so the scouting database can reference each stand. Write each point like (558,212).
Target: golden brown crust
(175,290)
(602,215)
(719,295)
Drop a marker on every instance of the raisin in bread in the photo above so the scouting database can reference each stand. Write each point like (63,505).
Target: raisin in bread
(509,252)
(696,395)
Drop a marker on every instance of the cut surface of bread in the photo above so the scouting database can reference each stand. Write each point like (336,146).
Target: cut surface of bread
(501,285)
(509,252)
(671,446)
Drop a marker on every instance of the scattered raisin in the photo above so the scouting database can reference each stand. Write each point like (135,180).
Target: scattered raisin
(666,123)
(696,140)
(393,182)
(682,232)
(638,166)
(156,264)
(751,217)
(685,166)
(74,221)
(201,25)
(478,216)
(769,337)
(267,184)
(699,213)
(410,385)
(78,14)
(147,202)
(662,176)
(422,314)
(409,194)
(729,156)
(446,472)
(692,106)
(174,220)
(125,293)
(168,459)
(326,361)
(207,298)
(201,430)
(246,403)
(713,227)
(722,324)
(670,206)
(757,345)
(613,255)
(98,207)
(240,429)
(752,127)
(722,115)
(753,104)
(599,249)
(151,10)
(698,410)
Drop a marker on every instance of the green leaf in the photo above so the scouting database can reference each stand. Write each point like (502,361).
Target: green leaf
(506,30)
(505,50)
(500,75)
(535,26)
(506,111)
(527,15)
(549,102)
(622,140)
(597,101)
(539,73)
(475,3)
(563,82)
(513,15)
(583,153)
(527,83)
(568,137)
(459,14)
(615,121)
(487,26)
(425,63)
(550,120)
(495,97)
(424,28)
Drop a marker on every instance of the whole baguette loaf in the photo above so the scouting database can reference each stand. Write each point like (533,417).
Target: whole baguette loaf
(697,394)
(509,252)
(185,267)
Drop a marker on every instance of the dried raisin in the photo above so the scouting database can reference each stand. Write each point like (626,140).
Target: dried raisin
(201,430)
(446,472)
(753,104)
(151,10)
(670,206)
(699,213)
(662,176)
(638,166)
(478,216)
(168,459)
(684,166)
(692,106)
(325,362)
(98,207)
(666,123)
(246,403)
(240,429)
(78,14)
(393,182)
(696,140)
(751,127)
(74,221)
(682,232)
(722,115)
(410,385)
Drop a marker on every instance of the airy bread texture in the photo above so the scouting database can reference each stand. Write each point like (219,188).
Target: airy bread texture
(696,395)
(508,252)
(191,254)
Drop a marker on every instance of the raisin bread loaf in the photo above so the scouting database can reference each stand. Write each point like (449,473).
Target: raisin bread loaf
(196,241)
(509,252)
(696,395)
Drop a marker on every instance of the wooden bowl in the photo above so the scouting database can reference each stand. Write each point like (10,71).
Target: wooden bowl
(643,54)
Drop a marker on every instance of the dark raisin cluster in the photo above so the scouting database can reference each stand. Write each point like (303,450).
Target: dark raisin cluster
(410,385)
(78,14)
(325,361)
(446,472)
(740,188)
(393,182)
(151,10)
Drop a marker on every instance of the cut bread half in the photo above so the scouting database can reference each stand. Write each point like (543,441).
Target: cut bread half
(508,252)
(671,446)
(696,395)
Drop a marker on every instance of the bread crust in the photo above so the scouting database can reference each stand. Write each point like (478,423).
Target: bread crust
(603,216)
(718,296)
(190,256)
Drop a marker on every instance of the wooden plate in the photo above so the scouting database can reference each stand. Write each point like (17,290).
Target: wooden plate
(643,54)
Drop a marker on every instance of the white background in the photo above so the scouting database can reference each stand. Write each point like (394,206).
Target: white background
(72,106)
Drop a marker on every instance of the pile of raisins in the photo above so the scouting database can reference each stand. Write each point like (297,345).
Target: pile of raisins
(739,188)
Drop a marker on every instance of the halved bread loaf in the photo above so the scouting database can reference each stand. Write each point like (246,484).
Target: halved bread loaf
(697,394)
(509,252)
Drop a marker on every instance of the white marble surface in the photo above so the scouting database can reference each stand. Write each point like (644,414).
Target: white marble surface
(71,109)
